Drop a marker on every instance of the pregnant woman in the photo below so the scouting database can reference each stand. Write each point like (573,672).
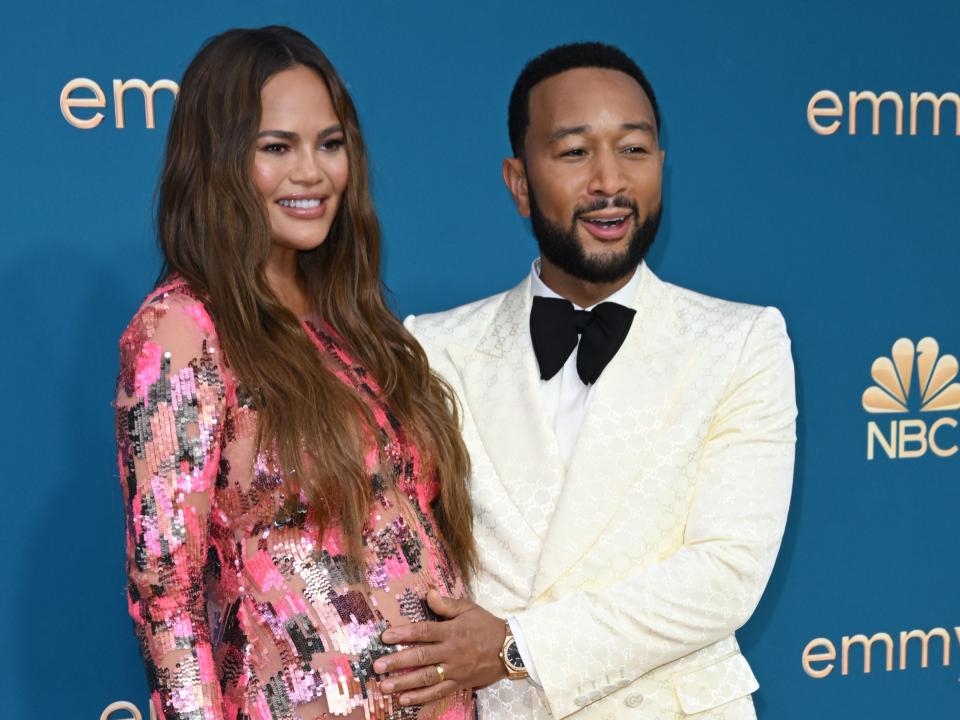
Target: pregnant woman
(293,476)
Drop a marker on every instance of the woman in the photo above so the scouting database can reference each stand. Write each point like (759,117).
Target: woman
(293,475)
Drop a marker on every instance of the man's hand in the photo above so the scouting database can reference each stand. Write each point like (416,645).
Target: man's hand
(467,645)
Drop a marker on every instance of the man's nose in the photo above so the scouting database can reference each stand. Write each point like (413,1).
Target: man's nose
(607,178)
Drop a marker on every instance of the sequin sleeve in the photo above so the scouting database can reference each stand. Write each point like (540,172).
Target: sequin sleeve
(171,397)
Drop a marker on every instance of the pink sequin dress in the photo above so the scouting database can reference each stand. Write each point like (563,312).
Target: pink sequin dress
(242,611)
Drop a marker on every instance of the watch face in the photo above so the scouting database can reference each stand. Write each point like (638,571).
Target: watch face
(513,655)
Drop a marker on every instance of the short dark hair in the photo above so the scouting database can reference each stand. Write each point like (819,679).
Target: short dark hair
(560,59)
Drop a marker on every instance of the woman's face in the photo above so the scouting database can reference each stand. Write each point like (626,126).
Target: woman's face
(300,166)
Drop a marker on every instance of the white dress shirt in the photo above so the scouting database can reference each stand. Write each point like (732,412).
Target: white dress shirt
(565,401)
(565,398)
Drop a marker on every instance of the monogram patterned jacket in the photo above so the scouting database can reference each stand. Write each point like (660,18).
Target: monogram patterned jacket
(630,569)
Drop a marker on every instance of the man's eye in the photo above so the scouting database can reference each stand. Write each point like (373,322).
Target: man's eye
(574,152)
(635,150)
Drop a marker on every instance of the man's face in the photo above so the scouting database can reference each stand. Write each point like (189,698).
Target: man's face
(591,177)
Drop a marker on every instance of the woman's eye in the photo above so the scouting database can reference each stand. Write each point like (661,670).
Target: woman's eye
(277,148)
(331,145)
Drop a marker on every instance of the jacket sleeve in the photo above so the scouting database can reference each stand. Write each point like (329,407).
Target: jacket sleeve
(169,410)
(711,585)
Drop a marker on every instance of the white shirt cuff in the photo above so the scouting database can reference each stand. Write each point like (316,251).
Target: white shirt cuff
(524,651)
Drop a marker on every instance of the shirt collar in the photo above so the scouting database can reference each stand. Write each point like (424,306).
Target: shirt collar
(624,296)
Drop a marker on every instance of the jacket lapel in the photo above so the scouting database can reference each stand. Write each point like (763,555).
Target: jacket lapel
(629,406)
(501,384)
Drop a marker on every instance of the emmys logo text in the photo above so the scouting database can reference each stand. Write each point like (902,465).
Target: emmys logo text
(825,111)
(85,94)
(820,655)
(895,393)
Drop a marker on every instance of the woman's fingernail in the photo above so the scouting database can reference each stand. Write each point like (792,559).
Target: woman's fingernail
(379,666)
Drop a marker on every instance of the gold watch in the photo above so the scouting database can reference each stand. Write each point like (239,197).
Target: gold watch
(511,659)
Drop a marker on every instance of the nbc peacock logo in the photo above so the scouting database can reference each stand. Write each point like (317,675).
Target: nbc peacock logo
(915,378)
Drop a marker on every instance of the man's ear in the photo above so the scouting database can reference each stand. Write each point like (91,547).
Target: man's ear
(515,178)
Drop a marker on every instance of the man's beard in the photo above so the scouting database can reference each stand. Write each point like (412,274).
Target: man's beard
(563,248)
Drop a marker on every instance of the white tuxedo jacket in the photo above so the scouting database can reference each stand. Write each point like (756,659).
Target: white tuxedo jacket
(630,570)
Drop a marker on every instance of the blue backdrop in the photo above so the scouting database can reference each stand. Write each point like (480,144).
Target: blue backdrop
(853,235)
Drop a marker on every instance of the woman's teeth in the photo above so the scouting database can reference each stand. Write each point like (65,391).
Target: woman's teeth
(312,203)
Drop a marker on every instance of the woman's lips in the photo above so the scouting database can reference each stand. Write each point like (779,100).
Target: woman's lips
(303,208)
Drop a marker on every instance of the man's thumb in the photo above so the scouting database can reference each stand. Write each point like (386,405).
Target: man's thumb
(445,606)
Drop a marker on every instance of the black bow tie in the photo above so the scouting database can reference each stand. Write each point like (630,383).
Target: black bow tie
(555,326)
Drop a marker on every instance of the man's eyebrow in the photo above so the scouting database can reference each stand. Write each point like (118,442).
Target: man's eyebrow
(563,132)
(287,135)
(643,126)
(560,133)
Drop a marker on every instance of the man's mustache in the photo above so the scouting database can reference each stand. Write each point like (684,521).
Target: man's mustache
(619,201)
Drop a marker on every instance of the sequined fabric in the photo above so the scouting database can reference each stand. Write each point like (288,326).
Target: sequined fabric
(242,611)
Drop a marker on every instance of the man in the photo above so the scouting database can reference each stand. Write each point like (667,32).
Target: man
(632,465)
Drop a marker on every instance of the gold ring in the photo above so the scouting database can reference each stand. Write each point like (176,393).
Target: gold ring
(440,671)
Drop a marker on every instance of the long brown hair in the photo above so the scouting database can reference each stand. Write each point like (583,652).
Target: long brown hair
(214,231)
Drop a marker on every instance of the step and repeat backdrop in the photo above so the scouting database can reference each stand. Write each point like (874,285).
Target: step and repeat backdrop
(813,164)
